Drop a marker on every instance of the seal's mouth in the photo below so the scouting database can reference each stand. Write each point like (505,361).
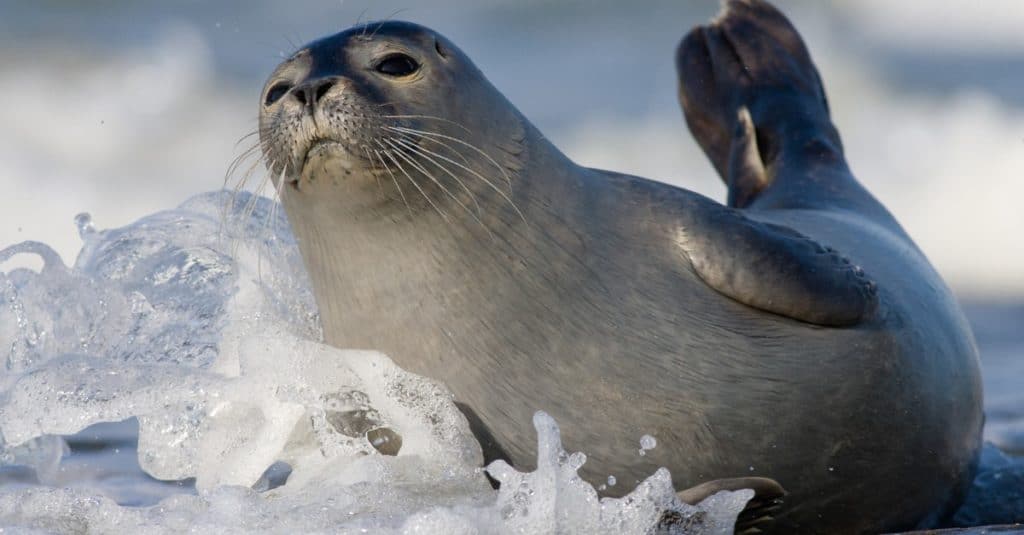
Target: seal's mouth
(321,157)
(320,148)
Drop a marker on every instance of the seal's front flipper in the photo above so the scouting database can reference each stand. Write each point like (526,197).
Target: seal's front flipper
(760,510)
(774,268)
(750,68)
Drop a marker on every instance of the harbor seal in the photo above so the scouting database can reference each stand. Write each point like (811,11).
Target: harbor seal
(795,334)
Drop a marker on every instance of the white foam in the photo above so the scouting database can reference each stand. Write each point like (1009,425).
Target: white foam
(202,328)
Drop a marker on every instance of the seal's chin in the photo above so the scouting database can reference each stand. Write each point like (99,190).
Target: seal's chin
(326,157)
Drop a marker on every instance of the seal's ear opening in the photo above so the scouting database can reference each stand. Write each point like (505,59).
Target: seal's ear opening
(440,48)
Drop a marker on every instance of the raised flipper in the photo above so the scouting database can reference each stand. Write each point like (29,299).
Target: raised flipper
(760,511)
(774,268)
(754,101)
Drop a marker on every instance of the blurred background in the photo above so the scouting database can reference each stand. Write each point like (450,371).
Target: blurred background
(122,108)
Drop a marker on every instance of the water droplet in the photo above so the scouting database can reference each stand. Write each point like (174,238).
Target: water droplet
(647,442)
(611,481)
(84,223)
(751,468)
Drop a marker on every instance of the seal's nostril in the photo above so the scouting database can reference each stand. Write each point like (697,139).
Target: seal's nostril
(322,90)
(310,93)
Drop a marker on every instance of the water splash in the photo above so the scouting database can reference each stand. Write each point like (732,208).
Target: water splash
(202,327)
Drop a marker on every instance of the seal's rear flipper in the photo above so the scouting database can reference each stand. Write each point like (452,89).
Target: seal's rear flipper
(754,100)
(772,267)
(760,510)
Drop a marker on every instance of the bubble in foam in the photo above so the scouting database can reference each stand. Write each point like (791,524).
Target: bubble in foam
(83,222)
(647,442)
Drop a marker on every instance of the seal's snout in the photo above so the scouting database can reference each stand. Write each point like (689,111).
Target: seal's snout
(311,92)
(384,103)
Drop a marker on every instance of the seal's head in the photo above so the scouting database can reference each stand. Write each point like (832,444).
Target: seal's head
(390,109)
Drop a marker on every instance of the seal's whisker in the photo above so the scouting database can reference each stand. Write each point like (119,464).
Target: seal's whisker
(387,19)
(359,20)
(483,178)
(258,150)
(270,223)
(279,193)
(250,205)
(253,150)
(236,163)
(414,183)
(240,185)
(418,139)
(414,148)
(431,117)
(263,182)
(249,171)
(375,171)
(247,136)
(494,162)
(440,139)
(229,204)
(419,167)
(280,160)
(247,214)
(290,41)
(268,233)
(388,169)
(279,188)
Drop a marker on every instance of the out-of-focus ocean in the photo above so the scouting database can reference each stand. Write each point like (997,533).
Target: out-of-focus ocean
(120,107)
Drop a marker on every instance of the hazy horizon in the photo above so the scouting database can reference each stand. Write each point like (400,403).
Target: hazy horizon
(124,108)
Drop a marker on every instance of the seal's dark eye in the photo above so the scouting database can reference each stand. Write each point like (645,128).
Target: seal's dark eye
(397,65)
(276,93)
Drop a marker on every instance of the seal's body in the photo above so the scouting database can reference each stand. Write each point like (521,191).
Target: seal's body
(797,334)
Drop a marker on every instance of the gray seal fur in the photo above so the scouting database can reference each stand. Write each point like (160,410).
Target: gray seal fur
(795,334)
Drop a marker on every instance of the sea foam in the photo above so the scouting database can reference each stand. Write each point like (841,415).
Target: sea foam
(198,323)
